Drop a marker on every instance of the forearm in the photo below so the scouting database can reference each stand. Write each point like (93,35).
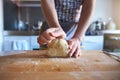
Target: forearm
(49,12)
(87,11)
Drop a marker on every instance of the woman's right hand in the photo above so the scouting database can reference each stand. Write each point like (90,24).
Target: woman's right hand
(50,34)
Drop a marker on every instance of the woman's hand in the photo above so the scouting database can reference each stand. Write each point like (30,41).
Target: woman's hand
(74,45)
(50,34)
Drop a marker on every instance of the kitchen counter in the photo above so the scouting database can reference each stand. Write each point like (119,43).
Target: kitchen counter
(20,33)
(110,31)
(28,33)
(35,65)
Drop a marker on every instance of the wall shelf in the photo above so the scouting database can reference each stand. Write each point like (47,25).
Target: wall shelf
(27,3)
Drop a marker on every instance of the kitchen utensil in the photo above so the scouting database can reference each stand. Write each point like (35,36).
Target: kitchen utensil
(113,55)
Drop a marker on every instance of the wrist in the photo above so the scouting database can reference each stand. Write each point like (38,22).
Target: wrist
(55,25)
(80,39)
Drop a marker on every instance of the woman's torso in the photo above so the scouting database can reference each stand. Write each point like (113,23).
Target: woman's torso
(68,12)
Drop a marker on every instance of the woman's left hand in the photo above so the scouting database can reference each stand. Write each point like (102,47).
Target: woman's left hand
(74,45)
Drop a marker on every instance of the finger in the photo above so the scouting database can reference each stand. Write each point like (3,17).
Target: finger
(59,34)
(42,40)
(77,53)
(48,36)
(72,50)
(70,43)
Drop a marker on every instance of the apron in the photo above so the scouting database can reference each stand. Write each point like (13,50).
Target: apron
(68,27)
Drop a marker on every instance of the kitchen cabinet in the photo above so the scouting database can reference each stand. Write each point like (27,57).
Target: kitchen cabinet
(16,43)
(89,43)
(112,42)
(34,44)
(10,17)
(28,42)
(22,15)
(93,43)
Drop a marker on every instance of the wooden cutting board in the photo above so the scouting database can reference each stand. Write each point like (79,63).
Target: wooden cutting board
(34,65)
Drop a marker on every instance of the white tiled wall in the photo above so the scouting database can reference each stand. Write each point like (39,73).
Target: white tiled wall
(116,12)
(107,8)
(103,9)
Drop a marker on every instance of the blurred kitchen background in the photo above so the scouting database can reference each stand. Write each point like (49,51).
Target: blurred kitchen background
(20,21)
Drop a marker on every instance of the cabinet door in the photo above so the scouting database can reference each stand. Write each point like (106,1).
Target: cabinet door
(16,43)
(34,44)
(93,43)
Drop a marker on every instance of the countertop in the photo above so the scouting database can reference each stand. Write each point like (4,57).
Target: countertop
(28,33)
(35,65)
(20,33)
(110,31)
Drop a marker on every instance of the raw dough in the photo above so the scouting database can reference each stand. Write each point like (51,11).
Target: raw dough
(58,47)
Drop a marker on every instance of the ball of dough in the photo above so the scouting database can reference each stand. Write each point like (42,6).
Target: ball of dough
(58,47)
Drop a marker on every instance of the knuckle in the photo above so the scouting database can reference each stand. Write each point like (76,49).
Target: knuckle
(48,30)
